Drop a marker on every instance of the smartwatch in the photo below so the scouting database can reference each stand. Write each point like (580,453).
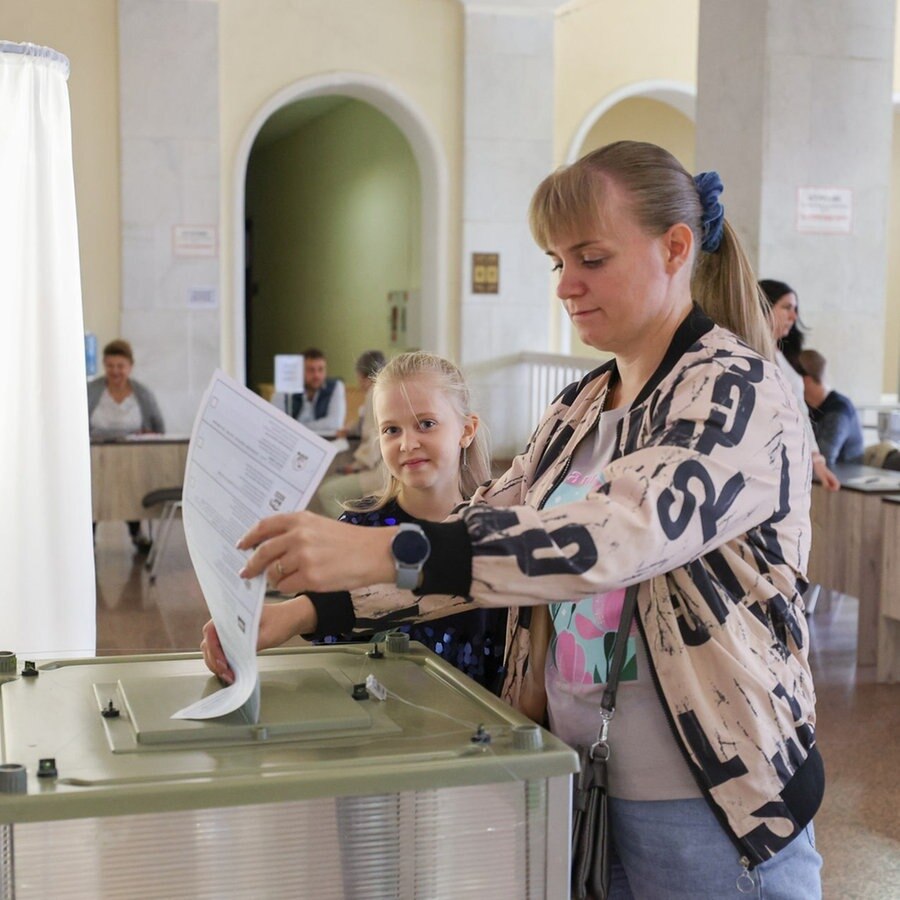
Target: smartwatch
(410,548)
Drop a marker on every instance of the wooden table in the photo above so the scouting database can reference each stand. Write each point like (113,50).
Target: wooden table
(888,657)
(122,472)
(854,552)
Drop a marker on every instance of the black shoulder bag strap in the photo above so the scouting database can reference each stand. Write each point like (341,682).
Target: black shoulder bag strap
(590,836)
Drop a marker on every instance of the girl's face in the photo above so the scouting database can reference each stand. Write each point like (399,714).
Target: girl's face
(784,315)
(421,434)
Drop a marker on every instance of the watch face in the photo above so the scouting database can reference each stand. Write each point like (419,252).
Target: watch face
(410,547)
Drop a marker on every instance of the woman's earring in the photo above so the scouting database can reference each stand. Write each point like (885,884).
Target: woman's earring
(465,457)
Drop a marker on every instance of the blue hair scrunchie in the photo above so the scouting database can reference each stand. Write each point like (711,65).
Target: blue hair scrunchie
(710,187)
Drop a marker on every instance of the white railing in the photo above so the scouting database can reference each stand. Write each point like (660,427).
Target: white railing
(511,393)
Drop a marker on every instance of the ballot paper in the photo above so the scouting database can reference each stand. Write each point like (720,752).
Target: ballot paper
(246,460)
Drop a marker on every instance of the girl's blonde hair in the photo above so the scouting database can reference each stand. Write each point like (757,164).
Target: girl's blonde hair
(453,386)
(660,194)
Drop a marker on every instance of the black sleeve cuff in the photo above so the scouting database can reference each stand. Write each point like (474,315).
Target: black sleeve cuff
(334,613)
(448,570)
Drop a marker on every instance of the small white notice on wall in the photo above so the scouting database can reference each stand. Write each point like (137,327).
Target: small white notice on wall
(289,374)
(194,240)
(824,210)
(202,298)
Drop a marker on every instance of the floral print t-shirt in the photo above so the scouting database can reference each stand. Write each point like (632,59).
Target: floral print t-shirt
(645,762)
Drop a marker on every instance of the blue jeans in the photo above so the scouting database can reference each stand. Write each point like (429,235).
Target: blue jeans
(677,850)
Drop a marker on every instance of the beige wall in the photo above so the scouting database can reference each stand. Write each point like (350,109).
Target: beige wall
(603,46)
(416,45)
(639,119)
(269,45)
(86,32)
(335,227)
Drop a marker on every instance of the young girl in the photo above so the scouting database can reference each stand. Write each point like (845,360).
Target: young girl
(435,454)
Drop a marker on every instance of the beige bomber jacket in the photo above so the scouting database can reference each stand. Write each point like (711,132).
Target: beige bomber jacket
(705,506)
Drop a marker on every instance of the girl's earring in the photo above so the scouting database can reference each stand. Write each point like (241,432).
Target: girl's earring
(465,457)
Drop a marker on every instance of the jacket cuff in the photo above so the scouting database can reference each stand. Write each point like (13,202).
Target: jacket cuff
(334,613)
(448,570)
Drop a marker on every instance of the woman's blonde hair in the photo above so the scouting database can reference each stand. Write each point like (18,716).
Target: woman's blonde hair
(450,382)
(660,194)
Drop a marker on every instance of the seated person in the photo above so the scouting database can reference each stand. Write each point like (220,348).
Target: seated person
(834,418)
(118,405)
(322,407)
(362,473)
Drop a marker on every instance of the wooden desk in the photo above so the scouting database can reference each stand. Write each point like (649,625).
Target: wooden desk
(124,471)
(851,553)
(888,661)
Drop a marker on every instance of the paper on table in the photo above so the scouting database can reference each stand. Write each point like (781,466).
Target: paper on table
(246,460)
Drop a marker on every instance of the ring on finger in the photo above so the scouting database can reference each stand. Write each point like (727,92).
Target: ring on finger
(279,569)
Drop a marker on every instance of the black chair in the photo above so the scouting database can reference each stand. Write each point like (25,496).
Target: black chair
(170,498)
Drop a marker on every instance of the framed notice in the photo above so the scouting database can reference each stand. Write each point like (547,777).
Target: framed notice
(485,273)
(824,210)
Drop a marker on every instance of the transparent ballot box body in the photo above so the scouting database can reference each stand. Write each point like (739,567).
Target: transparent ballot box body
(438,791)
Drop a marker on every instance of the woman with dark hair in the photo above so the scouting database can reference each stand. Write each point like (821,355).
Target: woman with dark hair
(785,314)
(675,477)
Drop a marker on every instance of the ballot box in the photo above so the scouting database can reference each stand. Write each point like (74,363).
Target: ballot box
(439,790)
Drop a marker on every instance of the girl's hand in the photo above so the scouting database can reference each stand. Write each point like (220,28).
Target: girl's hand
(278,623)
(305,552)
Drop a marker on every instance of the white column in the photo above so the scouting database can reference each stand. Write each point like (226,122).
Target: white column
(794,105)
(169,126)
(508,150)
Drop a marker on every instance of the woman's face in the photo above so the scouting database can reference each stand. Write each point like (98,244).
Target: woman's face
(784,315)
(117,370)
(616,282)
(420,434)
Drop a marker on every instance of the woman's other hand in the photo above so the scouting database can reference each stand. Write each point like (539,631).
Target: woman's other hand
(824,475)
(305,552)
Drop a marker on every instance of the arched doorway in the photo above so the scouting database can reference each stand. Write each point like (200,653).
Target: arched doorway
(661,112)
(432,172)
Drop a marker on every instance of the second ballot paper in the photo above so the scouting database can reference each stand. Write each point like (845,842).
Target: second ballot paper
(247,460)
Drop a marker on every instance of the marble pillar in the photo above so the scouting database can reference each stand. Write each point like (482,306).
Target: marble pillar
(508,149)
(169,128)
(794,110)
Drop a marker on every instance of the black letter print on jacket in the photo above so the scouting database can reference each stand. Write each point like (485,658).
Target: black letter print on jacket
(711,507)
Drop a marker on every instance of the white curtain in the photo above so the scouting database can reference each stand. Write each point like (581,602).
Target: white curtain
(47,602)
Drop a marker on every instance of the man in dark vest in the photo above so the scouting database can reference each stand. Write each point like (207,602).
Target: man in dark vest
(322,407)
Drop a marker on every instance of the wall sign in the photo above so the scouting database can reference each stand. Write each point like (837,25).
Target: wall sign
(195,240)
(824,210)
(485,273)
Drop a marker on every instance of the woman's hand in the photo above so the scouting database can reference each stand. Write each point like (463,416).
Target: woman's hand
(824,475)
(305,552)
(278,623)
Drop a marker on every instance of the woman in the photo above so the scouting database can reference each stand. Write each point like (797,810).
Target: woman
(682,467)
(118,405)
(785,316)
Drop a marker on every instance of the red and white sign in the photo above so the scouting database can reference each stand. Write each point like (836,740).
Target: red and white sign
(824,210)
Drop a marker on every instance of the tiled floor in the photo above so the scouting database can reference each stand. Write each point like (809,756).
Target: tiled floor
(857,829)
